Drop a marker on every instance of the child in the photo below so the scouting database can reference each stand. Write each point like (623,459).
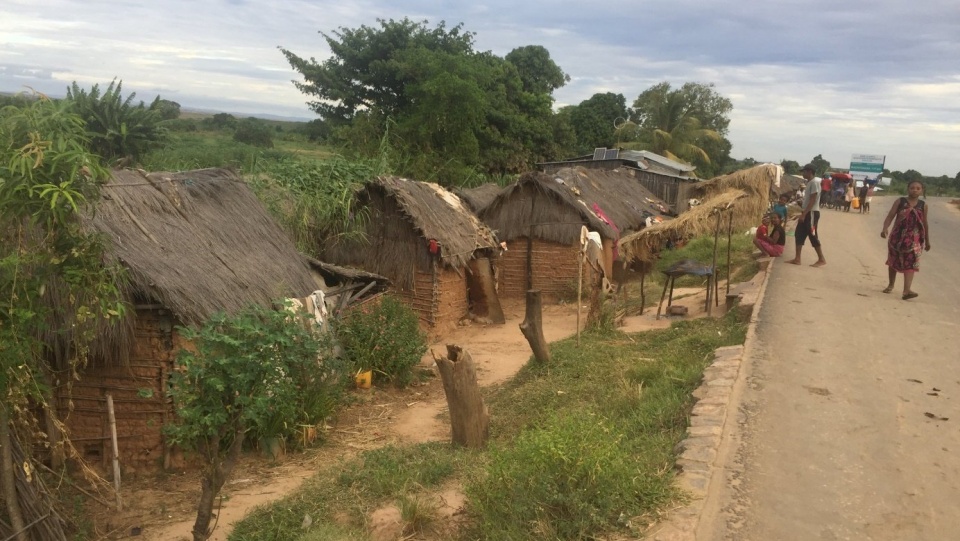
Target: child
(780,208)
(866,204)
(772,244)
(764,228)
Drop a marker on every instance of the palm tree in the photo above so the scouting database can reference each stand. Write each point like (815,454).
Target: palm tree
(668,128)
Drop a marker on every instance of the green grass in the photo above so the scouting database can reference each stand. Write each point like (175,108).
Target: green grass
(579,448)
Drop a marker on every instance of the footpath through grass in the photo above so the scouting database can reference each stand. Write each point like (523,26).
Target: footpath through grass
(579,448)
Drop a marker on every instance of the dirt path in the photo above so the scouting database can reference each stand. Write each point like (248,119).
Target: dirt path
(849,416)
(164,509)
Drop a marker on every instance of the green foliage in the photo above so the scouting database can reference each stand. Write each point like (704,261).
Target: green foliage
(220,121)
(260,372)
(390,471)
(253,132)
(569,479)
(822,166)
(116,127)
(790,167)
(198,150)
(313,200)
(169,110)
(701,249)
(686,124)
(595,120)
(384,337)
(452,111)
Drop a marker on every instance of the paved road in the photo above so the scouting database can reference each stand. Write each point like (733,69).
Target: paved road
(849,417)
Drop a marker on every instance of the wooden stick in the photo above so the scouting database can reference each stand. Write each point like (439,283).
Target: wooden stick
(579,292)
(729,242)
(116,450)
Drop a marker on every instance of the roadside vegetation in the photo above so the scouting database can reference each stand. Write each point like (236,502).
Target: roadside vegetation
(579,448)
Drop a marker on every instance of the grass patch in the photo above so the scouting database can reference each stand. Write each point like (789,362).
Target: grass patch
(579,448)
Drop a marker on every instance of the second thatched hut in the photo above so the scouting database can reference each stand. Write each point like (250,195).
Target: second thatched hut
(540,218)
(431,247)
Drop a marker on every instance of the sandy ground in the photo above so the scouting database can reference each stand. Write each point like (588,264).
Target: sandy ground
(163,507)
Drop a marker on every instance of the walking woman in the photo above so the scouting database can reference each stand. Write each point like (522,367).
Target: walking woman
(908,238)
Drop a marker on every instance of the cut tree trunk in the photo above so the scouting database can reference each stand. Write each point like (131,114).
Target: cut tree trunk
(483,290)
(469,418)
(211,483)
(532,327)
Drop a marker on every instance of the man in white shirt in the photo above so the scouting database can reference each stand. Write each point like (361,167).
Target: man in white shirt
(809,218)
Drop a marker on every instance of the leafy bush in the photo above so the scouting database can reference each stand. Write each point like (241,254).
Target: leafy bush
(254,132)
(260,370)
(116,127)
(384,337)
(568,480)
(186,151)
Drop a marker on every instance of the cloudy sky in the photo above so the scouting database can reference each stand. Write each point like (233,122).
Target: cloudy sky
(806,77)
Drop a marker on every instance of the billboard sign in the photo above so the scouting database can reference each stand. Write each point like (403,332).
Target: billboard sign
(864,166)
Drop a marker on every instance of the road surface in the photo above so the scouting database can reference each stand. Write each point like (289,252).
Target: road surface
(849,417)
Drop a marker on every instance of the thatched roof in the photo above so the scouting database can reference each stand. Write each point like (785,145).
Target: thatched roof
(557,205)
(699,220)
(198,242)
(402,216)
(479,197)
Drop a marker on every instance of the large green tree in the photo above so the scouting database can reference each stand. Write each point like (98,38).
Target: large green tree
(689,124)
(450,110)
(595,119)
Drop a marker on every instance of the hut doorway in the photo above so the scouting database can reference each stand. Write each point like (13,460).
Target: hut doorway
(482,291)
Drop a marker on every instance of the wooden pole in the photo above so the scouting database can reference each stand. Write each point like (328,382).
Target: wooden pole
(469,417)
(729,242)
(532,327)
(666,282)
(116,450)
(579,293)
(643,294)
(711,284)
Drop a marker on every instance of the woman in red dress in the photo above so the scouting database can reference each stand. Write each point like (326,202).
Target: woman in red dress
(909,236)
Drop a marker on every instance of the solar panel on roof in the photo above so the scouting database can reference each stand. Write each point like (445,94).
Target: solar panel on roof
(599,153)
(612,154)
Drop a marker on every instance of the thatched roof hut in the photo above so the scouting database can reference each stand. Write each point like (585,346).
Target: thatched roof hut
(549,210)
(555,206)
(192,243)
(198,242)
(479,197)
(645,245)
(423,238)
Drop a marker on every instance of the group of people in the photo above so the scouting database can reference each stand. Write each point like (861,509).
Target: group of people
(843,194)
(908,237)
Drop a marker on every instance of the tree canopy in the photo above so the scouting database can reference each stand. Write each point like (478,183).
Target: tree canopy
(453,110)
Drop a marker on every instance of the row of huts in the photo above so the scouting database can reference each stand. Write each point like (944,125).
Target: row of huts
(198,242)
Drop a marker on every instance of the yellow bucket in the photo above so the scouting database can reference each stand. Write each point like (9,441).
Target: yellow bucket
(364,379)
(855,202)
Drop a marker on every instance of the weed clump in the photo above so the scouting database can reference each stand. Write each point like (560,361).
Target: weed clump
(384,337)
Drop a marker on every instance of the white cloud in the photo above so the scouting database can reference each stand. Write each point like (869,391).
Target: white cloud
(806,77)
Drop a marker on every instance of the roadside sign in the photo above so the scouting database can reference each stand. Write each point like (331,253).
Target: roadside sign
(864,166)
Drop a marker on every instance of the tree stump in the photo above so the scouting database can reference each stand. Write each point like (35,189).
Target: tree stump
(469,418)
(532,327)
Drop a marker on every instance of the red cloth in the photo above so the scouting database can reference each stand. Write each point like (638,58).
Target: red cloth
(826,184)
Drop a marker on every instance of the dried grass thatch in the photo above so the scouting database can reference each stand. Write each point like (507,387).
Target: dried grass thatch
(402,216)
(197,242)
(479,197)
(699,220)
(555,206)
(758,182)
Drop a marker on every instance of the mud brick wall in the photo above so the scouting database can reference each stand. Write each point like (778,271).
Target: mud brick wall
(438,308)
(139,396)
(554,269)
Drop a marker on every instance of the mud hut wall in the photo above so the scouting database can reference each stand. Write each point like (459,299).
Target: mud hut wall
(439,304)
(554,269)
(140,403)
(391,247)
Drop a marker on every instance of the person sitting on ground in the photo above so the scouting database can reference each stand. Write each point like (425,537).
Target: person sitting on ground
(780,208)
(772,244)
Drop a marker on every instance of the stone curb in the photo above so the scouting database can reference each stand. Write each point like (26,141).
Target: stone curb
(697,453)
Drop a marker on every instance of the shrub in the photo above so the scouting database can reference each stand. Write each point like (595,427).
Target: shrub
(384,337)
(569,479)
(117,128)
(253,132)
